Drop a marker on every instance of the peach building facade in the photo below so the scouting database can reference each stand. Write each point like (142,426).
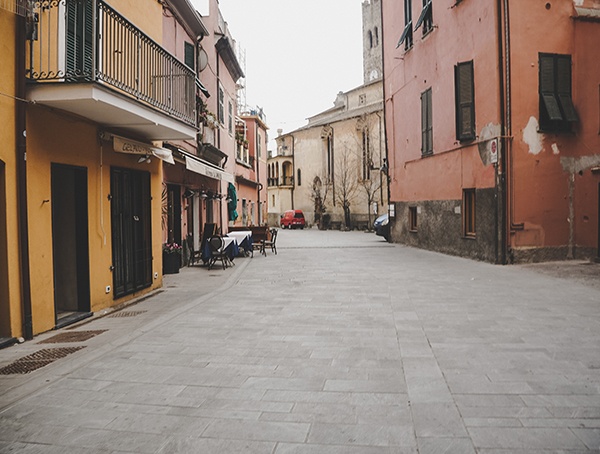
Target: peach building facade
(492,123)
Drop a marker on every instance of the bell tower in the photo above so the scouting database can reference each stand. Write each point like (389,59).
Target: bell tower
(372,48)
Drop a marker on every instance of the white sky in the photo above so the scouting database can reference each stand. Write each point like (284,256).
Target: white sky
(299,54)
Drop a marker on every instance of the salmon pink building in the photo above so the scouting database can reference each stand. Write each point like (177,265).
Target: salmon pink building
(492,123)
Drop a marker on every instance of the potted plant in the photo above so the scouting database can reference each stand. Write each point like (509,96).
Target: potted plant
(171,258)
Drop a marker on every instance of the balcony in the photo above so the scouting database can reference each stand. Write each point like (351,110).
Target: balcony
(87,59)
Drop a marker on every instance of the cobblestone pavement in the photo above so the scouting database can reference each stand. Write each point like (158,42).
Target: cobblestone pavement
(339,344)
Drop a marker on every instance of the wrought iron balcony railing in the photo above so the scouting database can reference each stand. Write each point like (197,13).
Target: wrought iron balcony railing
(87,41)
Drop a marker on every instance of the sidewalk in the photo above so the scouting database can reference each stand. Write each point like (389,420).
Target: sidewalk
(339,344)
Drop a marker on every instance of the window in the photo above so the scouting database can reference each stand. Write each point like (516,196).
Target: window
(258,145)
(464,87)
(376,35)
(426,17)
(556,105)
(412,219)
(189,56)
(370,34)
(230,117)
(407,33)
(330,158)
(299,179)
(426,123)
(468,212)
(79,40)
(366,155)
(221,106)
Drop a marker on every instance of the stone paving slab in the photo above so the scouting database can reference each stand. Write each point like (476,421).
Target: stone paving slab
(341,343)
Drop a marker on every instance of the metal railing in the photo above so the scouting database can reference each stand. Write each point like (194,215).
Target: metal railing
(83,41)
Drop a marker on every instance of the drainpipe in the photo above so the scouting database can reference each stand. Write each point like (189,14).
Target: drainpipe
(293,168)
(21,152)
(505,128)
(385,137)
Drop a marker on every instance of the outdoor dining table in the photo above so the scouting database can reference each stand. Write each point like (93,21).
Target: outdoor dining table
(243,238)
(230,245)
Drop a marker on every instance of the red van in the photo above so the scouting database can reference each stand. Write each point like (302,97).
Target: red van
(292,219)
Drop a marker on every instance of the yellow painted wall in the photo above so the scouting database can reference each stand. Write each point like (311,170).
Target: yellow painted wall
(10,290)
(144,14)
(58,138)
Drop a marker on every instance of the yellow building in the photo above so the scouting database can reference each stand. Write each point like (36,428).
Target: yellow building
(102,97)
(10,289)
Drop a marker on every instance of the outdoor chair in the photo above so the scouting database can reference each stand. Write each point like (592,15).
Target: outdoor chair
(217,252)
(207,233)
(193,256)
(271,242)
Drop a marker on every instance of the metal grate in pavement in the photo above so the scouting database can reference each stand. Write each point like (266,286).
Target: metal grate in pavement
(126,314)
(37,360)
(72,336)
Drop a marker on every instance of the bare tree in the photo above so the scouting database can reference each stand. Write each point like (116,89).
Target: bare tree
(370,187)
(346,181)
(318,195)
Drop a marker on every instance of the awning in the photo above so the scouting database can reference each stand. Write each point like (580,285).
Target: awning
(232,202)
(204,168)
(202,88)
(124,145)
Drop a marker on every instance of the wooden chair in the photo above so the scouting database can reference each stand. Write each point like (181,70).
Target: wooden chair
(271,242)
(217,252)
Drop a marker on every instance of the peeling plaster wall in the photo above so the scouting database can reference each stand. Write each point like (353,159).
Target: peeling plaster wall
(532,138)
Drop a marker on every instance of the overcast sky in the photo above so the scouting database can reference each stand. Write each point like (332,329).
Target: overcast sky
(299,54)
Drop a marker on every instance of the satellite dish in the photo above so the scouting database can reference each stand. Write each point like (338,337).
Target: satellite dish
(202,59)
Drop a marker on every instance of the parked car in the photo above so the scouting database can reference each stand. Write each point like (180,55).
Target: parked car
(382,226)
(292,219)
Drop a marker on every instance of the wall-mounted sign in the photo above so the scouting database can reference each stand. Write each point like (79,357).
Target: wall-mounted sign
(494,151)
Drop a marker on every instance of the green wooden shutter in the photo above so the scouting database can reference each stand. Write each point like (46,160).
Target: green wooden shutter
(547,87)
(79,40)
(563,87)
(189,56)
(465,101)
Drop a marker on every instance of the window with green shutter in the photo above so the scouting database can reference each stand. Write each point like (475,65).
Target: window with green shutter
(407,33)
(426,17)
(464,87)
(79,40)
(189,56)
(426,123)
(557,111)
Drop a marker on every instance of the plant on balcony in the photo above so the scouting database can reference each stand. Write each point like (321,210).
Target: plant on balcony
(240,139)
(209,119)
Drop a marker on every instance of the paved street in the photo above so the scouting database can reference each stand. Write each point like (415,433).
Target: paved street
(339,344)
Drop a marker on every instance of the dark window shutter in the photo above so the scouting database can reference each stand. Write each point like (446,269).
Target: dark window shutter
(79,39)
(547,87)
(563,87)
(465,101)
(424,122)
(429,122)
(189,56)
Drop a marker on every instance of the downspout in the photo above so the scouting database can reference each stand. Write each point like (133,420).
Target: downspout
(502,168)
(257,161)
(385,138)
(293,167)
(21,152)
